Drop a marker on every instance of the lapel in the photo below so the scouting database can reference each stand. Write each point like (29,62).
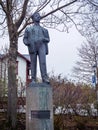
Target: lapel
(32,30)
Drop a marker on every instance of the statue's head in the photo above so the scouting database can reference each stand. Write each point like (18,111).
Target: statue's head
(36,17)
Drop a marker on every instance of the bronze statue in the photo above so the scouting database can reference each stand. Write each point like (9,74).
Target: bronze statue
(37,38)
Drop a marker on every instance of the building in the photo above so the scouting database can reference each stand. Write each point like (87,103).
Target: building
(23,68)
(23,71)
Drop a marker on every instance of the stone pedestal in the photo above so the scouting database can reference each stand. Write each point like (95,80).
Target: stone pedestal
(39,107)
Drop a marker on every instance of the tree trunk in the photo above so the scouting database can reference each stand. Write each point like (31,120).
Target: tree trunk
(12,85)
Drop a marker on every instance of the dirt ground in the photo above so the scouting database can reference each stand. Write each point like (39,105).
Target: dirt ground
(74,122)
(4,125)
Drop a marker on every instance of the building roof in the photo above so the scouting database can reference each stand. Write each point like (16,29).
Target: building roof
(27,56)
(24,56)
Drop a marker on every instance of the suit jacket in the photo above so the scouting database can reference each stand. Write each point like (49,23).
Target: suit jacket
(29,40)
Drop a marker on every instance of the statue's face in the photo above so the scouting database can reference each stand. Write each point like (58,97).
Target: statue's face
(36,17)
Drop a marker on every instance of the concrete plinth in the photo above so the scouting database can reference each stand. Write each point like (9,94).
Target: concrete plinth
(39,107)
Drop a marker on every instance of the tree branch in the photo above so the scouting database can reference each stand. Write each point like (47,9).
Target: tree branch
(3,6)
(93,3)
(44,4)
(51,12)
(18,23)
(57,9)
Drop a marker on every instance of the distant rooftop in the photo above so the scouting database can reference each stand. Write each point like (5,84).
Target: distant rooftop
(26,56)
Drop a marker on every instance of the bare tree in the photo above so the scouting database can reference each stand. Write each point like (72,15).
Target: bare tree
(86,23)
(15,16)
(70,99)
(83,69)
(87,17)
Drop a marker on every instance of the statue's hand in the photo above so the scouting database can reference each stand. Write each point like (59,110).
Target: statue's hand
(46,40)
(27,44)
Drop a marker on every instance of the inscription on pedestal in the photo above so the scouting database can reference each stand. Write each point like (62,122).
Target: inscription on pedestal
(40,114)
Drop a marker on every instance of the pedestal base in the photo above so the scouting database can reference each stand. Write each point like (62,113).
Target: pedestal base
(39,107)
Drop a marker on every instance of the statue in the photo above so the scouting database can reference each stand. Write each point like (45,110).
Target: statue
(36,38)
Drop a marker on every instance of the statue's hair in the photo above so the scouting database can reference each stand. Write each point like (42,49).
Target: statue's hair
(34,14)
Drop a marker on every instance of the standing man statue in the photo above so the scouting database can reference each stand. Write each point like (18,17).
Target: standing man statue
(37,38)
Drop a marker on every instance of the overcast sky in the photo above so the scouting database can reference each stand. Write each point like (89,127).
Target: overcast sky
(62,51)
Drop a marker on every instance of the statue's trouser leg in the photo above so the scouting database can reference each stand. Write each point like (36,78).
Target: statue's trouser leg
(42,61)
(33,58)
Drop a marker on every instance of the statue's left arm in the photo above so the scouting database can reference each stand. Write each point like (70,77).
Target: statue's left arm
(46,36)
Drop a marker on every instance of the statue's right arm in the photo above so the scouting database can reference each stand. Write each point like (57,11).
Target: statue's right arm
(25,38)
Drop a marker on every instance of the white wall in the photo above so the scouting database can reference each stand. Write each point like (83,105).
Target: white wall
(21,69)
(21,76)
